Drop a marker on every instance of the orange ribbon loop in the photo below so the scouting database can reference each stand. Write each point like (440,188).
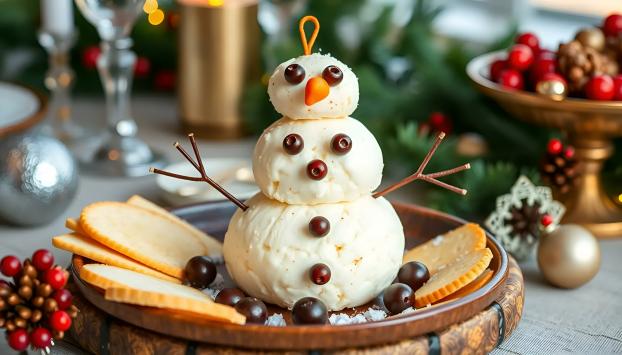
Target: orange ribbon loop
(307,46)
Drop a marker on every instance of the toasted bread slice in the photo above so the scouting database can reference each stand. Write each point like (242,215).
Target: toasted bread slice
(213,247)
(438,252)
(453,277)
(142,235)
(93,250)
(127,286)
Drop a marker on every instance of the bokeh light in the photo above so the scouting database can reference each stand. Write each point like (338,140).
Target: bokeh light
(156,17)
(150,6)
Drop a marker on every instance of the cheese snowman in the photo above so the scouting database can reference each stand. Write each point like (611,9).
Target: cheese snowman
(315,229)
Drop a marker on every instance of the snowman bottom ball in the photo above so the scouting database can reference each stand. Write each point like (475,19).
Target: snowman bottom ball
(270,250)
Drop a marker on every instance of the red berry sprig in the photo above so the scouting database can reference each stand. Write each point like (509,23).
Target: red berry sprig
(35,308)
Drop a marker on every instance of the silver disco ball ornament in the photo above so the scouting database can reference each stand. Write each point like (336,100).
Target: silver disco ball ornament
(38,179)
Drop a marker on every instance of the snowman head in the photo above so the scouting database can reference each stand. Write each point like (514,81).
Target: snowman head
(314,85)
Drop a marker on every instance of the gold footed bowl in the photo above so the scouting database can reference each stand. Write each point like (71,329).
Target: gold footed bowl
(590,125)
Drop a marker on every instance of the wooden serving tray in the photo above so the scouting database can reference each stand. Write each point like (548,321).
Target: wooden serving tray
(420,224)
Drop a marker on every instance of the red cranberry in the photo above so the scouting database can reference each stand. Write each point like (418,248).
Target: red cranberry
(530,40)
(200,271)
(617,87)
(413,274)
(63,298)
(60,321)
(612,26)
(496,68)
(57,278)
(293,144)
(511,79)
(341,144)
(309,310)
(294,74)
(253,309)
(42,259)
(439,122)
(546,54)
(397,298)
(333,75)
(554,146)
(520,57)
(569,152)
(10,265)
(540,68)
(40,338)
(319,226)
(18,339)
(317,169)
(600,87)
(142,67)
(229,296)
(320,274)
(546,220)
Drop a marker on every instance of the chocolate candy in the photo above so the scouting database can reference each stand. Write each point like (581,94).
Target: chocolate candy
(320,274)
(294,74)
(293,144)
(309,310)
(317,169)
(230,296)
(333,75)
(341,144)
(253,309)
(413,274)
(200,271)
(397,298)
(319,226)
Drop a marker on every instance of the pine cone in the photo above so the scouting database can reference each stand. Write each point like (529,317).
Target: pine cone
(525,220)
(559,170)
(614,48)
(578,63)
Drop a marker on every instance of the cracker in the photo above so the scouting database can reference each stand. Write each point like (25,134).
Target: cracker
(475,285)
(142,235)
(74,225)
(438,252)
(127,286)
(453,277)
(213,247)
(93,250)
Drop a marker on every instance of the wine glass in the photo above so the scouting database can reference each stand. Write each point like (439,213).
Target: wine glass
(119,152)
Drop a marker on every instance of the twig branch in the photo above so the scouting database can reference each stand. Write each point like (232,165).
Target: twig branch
(431,178)
(201,169)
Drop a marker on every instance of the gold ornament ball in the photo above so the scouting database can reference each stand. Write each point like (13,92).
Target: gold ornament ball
(569,256)
(471,145)
(592,37)
(553,89)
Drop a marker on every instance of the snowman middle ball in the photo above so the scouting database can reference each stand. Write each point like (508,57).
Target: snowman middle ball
(269,250)
(283,175)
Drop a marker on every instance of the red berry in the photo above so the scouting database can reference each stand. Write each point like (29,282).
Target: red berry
(317,169)
(546,54)
(439,122)
(617,87)
(512,79)
(42,259)
(600,87)
(569,152)
(612,25)
(165,80)
(60,321)
(496,68)
(40,338)
(530,40)
(90,56)
(554,146)
(56,278)
(520,57)
(63,298)
(142,67)
(18,340)
(320,274)
(541,67)
(10,265)
(546,220)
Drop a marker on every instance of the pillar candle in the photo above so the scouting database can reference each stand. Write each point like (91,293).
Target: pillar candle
(57,16)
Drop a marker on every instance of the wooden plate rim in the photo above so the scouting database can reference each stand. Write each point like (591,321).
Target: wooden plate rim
(254,336)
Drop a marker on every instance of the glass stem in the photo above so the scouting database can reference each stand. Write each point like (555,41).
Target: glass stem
(116,68)
(59,80)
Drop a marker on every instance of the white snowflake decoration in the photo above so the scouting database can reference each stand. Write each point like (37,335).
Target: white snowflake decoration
(523,190)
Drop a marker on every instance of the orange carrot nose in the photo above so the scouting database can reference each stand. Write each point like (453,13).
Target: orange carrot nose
(316,90)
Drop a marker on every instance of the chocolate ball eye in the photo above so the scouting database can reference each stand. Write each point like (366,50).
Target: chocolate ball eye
(341,143)
(332,75)
(294,74)
(293,144)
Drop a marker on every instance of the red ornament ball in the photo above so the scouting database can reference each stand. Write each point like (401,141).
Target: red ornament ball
(530,40)
(165,80)
(617,87)
(57,278)
(89,57)
(612,26)
(520,57)
(42,259)
(496,68)
(142,67)
(10,265)
(554,146)
(512,79)
(60,321)
(40,338)
(546,220)
(600,87)
(18,340)
(63,298)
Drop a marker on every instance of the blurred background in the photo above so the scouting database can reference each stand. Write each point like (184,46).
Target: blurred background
(409,55)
